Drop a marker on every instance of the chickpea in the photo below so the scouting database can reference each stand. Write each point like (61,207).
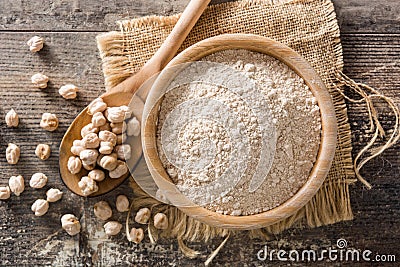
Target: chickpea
(53,195)
(49,122)
(43,151)
(16,184)
(143,216)
(102,210)
(160,221)
(112,228)
(40,207)
(74,165)
(122,203)
(87,185)
(12,153)
(70,224)
(136,235)
(38,180)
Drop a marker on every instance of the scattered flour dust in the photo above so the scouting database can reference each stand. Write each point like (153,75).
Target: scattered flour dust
(296,118)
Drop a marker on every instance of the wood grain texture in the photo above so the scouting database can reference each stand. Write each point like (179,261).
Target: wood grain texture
(371,53)
(77,15)
(368,16)
(88,15)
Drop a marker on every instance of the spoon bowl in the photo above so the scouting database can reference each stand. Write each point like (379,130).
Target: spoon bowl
(73,133)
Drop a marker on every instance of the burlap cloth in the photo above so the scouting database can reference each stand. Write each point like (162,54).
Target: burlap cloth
(309,27)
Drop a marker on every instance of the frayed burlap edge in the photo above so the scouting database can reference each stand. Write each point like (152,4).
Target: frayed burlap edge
(331,204)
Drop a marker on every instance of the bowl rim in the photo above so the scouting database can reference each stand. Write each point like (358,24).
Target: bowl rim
(326,150)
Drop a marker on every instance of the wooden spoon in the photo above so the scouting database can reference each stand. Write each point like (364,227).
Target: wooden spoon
(124,93)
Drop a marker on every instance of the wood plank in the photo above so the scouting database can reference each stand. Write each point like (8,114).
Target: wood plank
(87,15)
(374,60)
(79,15)
(373,16)
(26,239)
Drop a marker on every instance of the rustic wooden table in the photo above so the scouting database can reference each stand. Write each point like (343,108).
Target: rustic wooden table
(371,44)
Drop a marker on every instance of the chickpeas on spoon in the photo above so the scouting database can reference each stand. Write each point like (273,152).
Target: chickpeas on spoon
(123,94)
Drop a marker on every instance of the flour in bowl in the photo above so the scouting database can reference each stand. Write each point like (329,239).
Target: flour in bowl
(209,148)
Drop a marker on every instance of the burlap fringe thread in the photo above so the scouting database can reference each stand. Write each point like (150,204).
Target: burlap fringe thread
(332,202)
(368,94)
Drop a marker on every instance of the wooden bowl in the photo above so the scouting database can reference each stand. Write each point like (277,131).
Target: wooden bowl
(326,150)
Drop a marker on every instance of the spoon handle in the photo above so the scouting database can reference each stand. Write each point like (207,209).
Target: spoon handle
(167,50)
(170,47)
